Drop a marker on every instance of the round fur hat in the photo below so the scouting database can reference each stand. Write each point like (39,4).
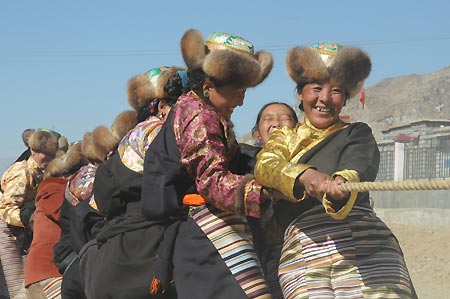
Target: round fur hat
(143,88)
(44,142)
(104,140)
(68,163)
(346,67)
(48,141)
(227,59)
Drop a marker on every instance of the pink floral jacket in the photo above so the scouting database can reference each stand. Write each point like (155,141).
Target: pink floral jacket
(207,144)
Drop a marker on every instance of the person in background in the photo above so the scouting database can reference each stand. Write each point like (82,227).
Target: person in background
(188,178)
(73,228)
(80,218)
(42,278)
(334,244)
(271,116)
(128,243)
(266,235)
(24,156)
(19,184)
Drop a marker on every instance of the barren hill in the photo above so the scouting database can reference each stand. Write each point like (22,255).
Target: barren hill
(402,100)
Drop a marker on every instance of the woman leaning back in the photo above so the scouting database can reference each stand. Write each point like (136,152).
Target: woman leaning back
(334,244)
(212,253)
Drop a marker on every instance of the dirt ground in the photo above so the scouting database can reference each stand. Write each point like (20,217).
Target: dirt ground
(427,255)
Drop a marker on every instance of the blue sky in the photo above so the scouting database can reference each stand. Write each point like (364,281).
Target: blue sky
(64,65)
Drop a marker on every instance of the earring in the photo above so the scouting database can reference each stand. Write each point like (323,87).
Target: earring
(160,115)
(206,93)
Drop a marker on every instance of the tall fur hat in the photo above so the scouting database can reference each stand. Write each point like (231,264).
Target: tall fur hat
(104,140)
(143,88)
(346,67)
(226,58)
(68,163)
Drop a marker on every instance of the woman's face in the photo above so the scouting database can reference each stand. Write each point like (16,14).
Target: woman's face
(42,159)
(322,103)
(272,117)
(225,98)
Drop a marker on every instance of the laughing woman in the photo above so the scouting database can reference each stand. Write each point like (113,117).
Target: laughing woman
(334,244)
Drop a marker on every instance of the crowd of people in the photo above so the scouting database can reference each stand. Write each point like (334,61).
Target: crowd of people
(166,203)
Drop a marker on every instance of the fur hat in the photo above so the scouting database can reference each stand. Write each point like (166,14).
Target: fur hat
(48,141)
(226,58)
(143,88)
(347,67)
(26,136)
(63,146)
(87,147)
(98,144)
(44,141)
(68,163)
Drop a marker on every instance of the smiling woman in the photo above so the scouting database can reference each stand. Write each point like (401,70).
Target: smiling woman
(334,244)
(322,102)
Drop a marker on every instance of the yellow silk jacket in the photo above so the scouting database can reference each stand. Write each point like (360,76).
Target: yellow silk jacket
(277,164)
(19,184)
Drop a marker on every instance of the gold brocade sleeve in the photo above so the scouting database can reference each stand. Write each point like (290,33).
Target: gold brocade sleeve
(352,177)
(16,183)
(274,168)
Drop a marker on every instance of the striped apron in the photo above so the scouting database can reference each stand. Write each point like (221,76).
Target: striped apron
(215,252)
(357,257)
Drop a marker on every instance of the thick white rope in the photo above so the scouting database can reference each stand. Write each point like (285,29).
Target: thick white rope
(396,186)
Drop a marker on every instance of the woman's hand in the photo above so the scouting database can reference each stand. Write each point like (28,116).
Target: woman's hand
(316,184)
(333,191)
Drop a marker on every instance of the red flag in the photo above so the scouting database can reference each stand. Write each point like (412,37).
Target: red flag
(362,96)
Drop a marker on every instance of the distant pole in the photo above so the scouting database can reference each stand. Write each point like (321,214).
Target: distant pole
(399,161)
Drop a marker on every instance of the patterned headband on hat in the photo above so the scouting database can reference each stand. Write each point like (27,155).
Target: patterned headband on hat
(154,73)
(223,40)
(327,51)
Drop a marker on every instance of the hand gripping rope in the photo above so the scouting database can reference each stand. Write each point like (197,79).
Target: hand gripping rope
(396,186)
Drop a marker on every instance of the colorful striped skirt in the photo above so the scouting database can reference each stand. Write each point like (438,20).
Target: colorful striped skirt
(357,257)
(214,258)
